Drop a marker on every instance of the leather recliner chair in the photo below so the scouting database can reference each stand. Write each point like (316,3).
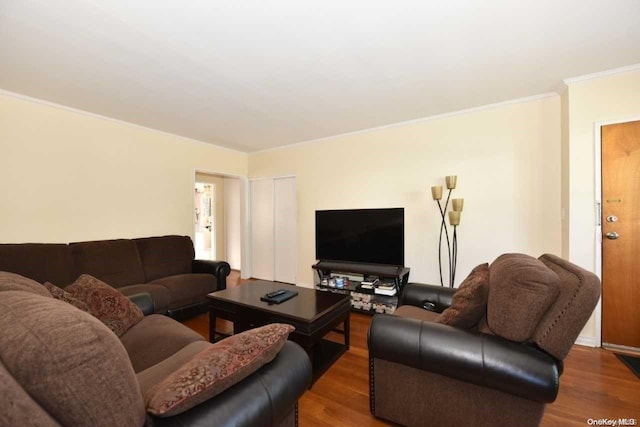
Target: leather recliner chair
(426,373)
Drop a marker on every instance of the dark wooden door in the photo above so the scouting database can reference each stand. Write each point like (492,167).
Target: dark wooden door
(621,234)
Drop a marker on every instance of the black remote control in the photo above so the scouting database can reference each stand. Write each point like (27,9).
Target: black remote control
(275,293)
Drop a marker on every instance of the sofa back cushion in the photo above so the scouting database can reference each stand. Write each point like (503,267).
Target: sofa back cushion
(579,292)
(115,262)
(165,256)
(41,262)
(68,362)
(521,291)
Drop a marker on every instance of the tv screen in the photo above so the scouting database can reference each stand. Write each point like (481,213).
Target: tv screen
(372,236)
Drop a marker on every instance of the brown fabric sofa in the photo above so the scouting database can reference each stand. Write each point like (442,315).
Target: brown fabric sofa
(163,267)
(501,372)
(61,366)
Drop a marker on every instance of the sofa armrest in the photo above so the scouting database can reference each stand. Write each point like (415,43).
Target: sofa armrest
(430,297)
(220,269)
(484,360)
(263,398)
(144,301)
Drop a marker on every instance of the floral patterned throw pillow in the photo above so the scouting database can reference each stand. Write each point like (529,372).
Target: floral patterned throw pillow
(106,303)
(217,368)
(62,295)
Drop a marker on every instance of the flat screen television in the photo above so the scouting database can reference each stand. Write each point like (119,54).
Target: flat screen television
(372,236)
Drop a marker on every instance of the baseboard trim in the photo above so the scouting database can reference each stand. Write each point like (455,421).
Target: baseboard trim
(586,341)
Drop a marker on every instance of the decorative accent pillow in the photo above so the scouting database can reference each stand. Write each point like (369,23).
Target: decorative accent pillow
(62,295)
(217,368)
(106,303)
(469,302)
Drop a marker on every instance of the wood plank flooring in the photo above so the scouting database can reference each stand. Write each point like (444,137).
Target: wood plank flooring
(594,385)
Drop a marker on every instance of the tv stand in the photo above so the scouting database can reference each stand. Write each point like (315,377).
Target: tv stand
(365,300)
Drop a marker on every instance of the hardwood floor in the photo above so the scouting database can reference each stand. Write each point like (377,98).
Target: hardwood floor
(594,385)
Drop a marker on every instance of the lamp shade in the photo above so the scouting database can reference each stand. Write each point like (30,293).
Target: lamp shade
(436,192)
(457,204)
(454,218)
(451,181)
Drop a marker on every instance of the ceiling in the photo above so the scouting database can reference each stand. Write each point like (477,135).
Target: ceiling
(257,74)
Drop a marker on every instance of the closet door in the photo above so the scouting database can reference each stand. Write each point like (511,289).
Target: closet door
(285,237)
(262,229)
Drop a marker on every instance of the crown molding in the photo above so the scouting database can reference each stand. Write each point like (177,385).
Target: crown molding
(111,119)
(601,74)
(561,88)
(414,121)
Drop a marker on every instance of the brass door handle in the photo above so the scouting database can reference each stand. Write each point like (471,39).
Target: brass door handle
(612,235)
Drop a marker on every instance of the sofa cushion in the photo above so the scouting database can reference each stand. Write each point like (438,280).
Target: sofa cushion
(106,303)
(522,289)
(160,295)
(70,363)
(217,368)
(413,312)
(39,261)
(153,375)
(16,282)
(62,295)
(187,289)
(155,338)
(115,262)
(165,256)
(469,302)
(17,408)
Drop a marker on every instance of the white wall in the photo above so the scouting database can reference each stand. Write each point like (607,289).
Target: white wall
(68,176)
(610,98)
(233,221)
(508,164)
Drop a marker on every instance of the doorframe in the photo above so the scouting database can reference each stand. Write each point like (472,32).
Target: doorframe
(245,241)
(597,130)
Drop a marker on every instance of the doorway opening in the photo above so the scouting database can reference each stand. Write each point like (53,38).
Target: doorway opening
(217,218)
(205,230)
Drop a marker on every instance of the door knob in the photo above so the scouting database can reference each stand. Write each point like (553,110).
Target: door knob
(612,235)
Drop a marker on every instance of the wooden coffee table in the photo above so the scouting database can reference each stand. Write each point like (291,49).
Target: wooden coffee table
(313,314)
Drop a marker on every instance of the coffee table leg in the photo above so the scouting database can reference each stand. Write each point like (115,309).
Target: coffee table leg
(212,325)
(347,333)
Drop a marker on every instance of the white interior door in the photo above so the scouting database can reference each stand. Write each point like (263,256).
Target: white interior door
(262,229)
(285,235)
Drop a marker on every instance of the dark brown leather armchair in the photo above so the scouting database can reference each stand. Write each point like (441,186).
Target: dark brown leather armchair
(425,373)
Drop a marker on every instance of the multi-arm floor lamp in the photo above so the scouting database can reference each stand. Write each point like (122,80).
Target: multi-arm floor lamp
(454,221)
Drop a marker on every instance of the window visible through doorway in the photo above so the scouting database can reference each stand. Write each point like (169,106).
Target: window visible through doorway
(204,218)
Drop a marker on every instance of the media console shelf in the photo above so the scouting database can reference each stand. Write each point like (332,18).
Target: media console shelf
(364,300)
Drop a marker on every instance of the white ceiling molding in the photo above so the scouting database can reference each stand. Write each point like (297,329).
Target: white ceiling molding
(601,74)
(110,119)
(254,75)
(416,121)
